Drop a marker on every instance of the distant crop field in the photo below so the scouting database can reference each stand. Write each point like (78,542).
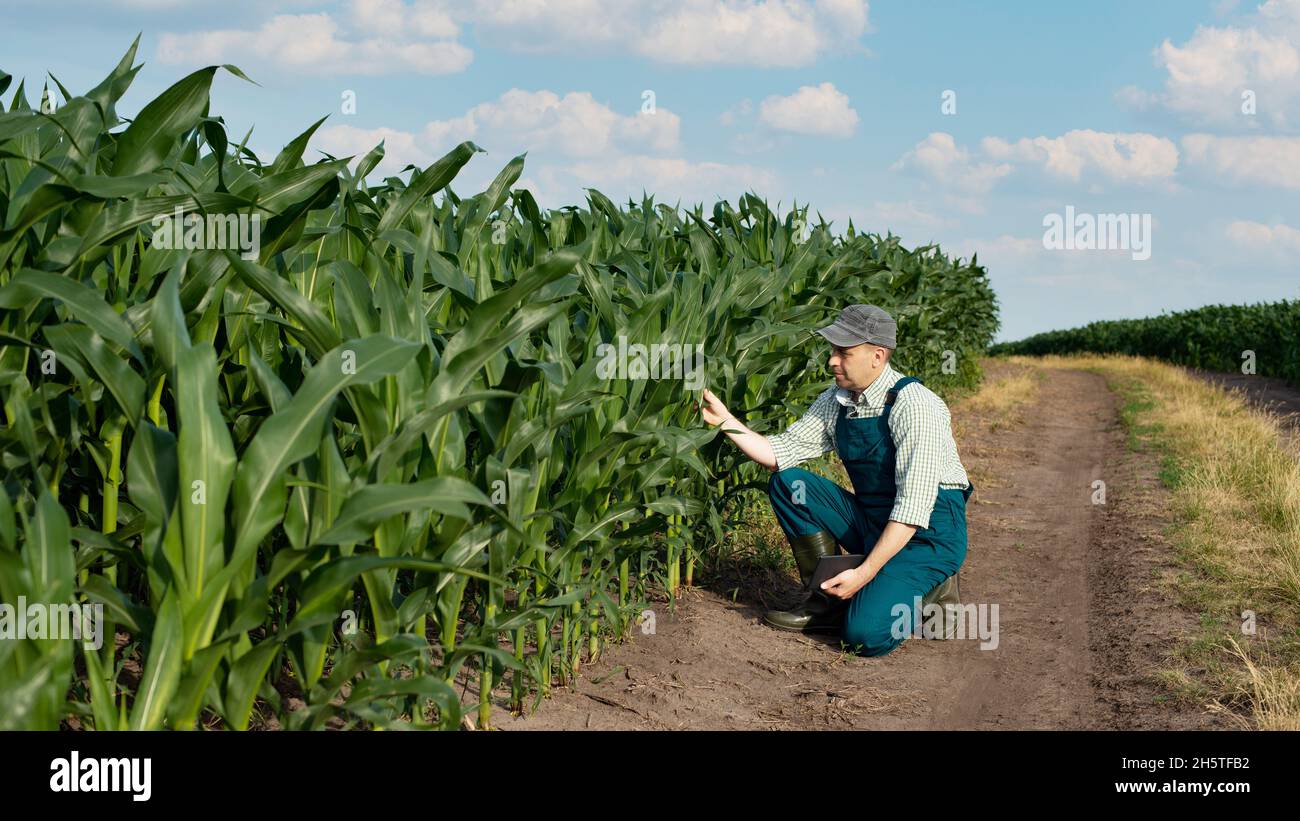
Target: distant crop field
(1260,339)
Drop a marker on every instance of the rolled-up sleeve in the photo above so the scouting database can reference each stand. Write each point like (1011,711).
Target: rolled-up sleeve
(918,428)
(809,437)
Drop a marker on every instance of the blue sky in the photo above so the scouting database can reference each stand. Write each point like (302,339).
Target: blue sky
(1108,107)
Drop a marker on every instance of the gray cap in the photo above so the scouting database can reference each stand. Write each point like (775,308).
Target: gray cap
(862,325)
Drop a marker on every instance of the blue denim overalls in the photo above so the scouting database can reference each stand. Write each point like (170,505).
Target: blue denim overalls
(856,519)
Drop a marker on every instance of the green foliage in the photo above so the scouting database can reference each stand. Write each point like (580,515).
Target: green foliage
(1214,338)
(382,450)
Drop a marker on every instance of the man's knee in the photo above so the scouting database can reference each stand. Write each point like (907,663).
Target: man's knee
(872,637)
(782,482)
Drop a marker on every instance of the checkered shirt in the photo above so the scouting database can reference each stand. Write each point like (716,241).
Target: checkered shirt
(922,430)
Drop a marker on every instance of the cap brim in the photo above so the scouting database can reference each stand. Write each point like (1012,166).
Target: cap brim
(838,336)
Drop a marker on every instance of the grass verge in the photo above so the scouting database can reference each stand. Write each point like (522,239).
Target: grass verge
(1235,484)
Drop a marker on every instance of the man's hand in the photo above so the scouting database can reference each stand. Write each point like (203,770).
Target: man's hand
(712,409)
(754,445)
(849,582)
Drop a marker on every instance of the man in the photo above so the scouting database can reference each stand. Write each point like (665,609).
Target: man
(907,510)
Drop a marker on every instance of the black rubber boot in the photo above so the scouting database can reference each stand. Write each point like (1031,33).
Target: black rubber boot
(818,612)
(946,594)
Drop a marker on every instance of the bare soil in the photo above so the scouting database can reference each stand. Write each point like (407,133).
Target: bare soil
(1084,610)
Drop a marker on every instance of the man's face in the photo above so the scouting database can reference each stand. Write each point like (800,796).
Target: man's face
(855,368)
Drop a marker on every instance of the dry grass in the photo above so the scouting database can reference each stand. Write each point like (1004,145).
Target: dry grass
(999,402)
(1004,395)
(1235,482)
(1272,689)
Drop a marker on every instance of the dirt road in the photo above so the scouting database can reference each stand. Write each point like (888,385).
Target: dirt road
(1083,621)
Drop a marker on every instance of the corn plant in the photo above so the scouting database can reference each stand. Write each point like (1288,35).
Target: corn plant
(314,482)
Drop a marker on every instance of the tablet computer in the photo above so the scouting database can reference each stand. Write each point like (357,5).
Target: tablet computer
(828,567)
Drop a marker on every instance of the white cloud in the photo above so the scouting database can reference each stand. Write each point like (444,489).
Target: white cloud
(420,36)
(667,178)
(423,18)
(820,110)
(905,211)
(542,122)
(1267,161)
(1258,236)
(1120,157)
(939,157)
(557,181)
(1003,248)
(390,37)
(1207,75)
(573,142)
(401,148)
(380,16)
(849,15)
(540,25)
(904,218)
(451,131)
(750,33)
(574,125)
(693,32)
(968,176)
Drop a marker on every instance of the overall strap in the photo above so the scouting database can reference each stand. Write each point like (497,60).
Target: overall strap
(892,393)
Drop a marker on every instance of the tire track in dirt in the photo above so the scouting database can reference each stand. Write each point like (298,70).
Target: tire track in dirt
(1083,615)
(1043,498)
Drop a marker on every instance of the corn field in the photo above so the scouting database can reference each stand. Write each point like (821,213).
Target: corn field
(1216,338)
(313,487)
